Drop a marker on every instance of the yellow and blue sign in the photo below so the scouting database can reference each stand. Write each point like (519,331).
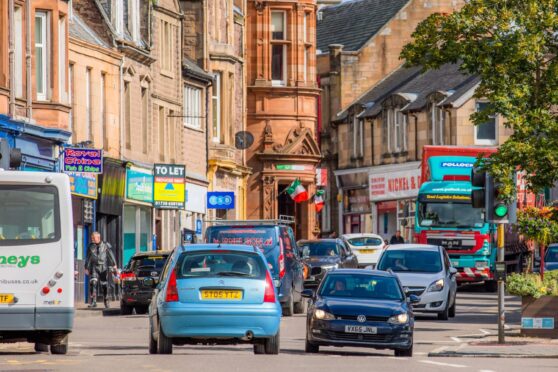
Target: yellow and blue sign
(83,184)
(220,200)
(169,189)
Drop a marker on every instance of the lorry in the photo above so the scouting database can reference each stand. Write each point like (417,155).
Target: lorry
(445,216)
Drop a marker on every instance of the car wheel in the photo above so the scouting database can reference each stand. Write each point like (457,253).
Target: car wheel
(60,348)
(164,343)
(40,347)
(444,315)
(311,348)
(404,352)
(288,308)
(141,309)
(451,311)
(300,307)
(491,286)
(259,349)
(152,341)
(272,344)
(125,309)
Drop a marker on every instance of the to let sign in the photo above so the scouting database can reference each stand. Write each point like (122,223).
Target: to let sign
(169,186)
(83,160)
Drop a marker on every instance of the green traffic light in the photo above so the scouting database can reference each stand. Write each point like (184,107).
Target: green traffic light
(501,210)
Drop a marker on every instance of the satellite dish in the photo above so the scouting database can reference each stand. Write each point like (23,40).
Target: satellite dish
(243,140)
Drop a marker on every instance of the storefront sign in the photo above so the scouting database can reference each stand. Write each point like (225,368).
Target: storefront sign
(83,184)
(321,177)
(294,167)
(83,160)
(220,200)
(198,227)
(195,198)
(394,185)
(139,184)
(537,323)
(169,187)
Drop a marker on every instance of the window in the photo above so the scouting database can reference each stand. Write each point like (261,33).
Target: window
(305,71)
(172,136)
(134,19)
(216,108)
(436,124)
(166,49)
(192,107)
(71,96)
(88,120)
(41,55)
(62,59)
(18,52)
(305,28)
(103,110)
(144,118)
(485,133)
(358,138)
(118,16)
(127,116)
(278,48)
(161,132)
(396,128)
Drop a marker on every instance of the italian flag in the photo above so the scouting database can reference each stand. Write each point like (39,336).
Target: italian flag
(297,192)
(319,200)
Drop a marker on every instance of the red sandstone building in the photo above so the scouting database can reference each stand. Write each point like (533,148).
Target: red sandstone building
(282,109)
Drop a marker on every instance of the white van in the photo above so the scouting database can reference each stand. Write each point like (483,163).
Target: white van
(36,259)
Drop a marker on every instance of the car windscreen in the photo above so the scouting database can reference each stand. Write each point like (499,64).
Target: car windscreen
(416,261)
(318,249)
(220,264)
(551,254)
(29,215)
(153,262)
(365,241)
(361,286)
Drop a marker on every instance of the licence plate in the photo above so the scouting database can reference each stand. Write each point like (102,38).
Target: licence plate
(221,295)
(6,298)
(361,329)
(367,251)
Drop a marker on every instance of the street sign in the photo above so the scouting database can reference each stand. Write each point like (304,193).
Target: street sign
(83,184)
(537,323)
(169,186)
(220,200)
(83,160)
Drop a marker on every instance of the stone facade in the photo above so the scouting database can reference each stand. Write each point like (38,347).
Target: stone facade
(282,109)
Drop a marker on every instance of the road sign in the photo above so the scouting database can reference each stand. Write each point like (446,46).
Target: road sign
(169,186)
(220,200)
(83,160)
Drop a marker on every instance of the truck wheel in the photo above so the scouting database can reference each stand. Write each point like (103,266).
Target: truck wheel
(300,307)
(40,347)
(491,286)
(288,307)
(60,348)
(125,309)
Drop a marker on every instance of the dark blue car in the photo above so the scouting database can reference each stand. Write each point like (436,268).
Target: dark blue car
(360,308)
(550,259)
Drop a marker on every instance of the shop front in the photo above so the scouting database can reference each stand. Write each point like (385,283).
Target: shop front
(356,210)
(194,215)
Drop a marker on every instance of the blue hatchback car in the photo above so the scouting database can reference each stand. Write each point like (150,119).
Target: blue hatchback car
(215,294)
(360,308)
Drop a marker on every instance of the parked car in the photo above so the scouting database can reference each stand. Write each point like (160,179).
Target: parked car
(550,259)
(364,308)
(367,247)
(325,255)
(215,294)
(139,279)
(277,243)
(425,271)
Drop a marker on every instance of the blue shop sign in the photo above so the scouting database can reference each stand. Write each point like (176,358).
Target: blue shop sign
(83,160)
(220,200)
(83,184)
(198,226)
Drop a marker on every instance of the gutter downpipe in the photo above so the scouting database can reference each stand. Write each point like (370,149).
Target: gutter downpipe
(11,56)
(29,83)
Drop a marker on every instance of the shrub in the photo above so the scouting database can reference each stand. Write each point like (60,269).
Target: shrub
(532,285)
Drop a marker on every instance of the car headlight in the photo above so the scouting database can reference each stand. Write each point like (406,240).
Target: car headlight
(330,267)
(399,319)
(323,315)
(437,286)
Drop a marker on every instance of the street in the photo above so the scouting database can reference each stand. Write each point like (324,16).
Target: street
(101,343)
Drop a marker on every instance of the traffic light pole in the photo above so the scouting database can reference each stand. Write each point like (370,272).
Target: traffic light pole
(501,308)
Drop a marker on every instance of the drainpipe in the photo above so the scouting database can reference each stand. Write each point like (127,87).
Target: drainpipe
(11,56)
(29,83)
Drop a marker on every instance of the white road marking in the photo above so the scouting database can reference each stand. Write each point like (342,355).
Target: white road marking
(484,331)
(506,326)
(456,339)
(486,370)
(443,364)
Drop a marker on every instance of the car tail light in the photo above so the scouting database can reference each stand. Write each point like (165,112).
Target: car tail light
(269,295)
(46,290)
(281,259)
(127,277)
(172,291)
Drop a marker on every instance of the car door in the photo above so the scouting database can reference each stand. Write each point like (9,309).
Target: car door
(297,263)
(451,278)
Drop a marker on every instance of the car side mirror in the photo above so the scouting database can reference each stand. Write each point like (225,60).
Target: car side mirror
(414,299)
(308,293)
(452,270)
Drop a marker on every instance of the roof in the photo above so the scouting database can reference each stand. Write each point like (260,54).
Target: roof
(306,241)
(226,247)
(192,69)
(353,23)
(152,253)
(361,272)
(361,235)
(424,247)
(79,30)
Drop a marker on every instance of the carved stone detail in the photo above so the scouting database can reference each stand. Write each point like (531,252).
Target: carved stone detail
(269,197)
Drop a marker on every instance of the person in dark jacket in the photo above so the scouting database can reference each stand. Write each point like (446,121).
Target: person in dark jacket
(97,264)
(397,238)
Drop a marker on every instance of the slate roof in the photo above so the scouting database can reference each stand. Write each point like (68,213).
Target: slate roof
(191,68)
(79,30)
(352,23)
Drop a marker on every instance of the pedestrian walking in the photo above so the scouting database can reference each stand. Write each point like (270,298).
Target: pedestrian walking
(97,264)
(397,238)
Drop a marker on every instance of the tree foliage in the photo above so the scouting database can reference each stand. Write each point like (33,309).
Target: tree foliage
(512,46)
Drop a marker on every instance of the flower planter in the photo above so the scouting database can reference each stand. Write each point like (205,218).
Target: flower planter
(543,307)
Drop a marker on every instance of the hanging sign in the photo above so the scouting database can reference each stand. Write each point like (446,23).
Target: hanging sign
(169,186)
(83,160)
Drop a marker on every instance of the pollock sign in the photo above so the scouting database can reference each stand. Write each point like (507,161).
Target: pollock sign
(394,185)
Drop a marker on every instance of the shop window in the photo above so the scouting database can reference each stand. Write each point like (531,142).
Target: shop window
(486,133)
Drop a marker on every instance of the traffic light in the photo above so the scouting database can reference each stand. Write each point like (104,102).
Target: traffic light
(9,158)
(487,196)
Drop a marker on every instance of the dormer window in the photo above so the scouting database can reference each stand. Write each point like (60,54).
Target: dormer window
(134,19)
(118,16)
(395,130)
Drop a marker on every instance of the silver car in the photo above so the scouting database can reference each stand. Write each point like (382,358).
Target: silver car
(425,271)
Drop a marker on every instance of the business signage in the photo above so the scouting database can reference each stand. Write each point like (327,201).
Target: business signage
(445,198)
(394,185)
(196,196)
(83,184)
(139,184)
(220,200)
(83,160)
(294,167)
(198,226)
(537,323)
(169,190)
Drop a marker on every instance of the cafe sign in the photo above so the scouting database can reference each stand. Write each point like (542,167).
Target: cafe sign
(83,160)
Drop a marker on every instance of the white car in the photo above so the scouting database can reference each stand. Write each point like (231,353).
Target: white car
(367,247)
(425,271)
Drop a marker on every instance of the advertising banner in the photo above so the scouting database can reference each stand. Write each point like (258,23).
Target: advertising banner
(83,160)
(394,185)
(169,190)
(139,184)
(220,200)
(83,184)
